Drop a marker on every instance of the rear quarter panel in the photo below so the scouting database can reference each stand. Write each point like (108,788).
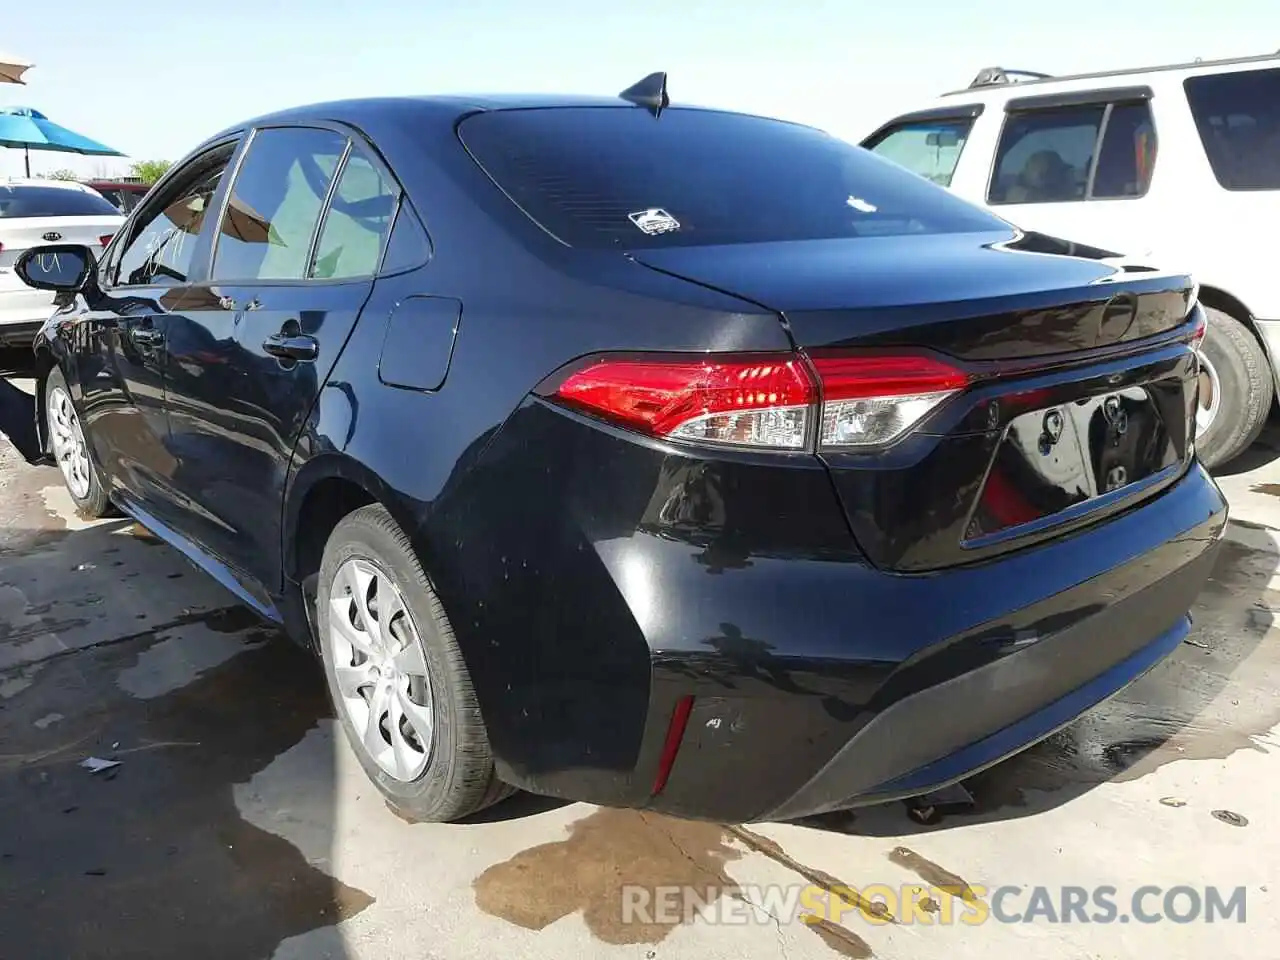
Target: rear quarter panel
(528,306)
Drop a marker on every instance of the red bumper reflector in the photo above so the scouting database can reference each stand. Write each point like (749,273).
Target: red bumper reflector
(671,746)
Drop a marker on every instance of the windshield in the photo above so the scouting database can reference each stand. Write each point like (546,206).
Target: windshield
(31,201)
(1238,116)
(616,177)
(929,148)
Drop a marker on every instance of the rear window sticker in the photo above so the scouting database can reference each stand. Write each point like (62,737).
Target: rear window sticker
(654,221)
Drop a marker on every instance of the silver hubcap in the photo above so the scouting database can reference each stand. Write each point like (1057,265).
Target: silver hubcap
(1209,398)
(68,442)
(380,669)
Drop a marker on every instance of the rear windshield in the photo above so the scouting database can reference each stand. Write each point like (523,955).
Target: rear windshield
(25,201)
(606,177)
(1238,115)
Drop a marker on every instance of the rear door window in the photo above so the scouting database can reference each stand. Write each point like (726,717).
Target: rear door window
(1127,156)
(357,222)
(929,148)
(1093,151)
(271,216)
(1238,116)
(1045,157)
(604,177)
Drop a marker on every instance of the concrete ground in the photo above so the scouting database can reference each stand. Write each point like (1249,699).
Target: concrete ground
(237,825)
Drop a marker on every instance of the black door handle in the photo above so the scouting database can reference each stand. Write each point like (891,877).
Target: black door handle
(296,347)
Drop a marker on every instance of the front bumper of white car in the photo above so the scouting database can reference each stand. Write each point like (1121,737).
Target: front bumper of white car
(22,312)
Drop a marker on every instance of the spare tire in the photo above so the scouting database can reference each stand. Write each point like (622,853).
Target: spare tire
(1236,388)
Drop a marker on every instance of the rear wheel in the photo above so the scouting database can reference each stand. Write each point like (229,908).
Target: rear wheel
(1235,390)
(399,685)
(71,451)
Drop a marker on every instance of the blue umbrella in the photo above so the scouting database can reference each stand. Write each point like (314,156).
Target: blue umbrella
(32,130)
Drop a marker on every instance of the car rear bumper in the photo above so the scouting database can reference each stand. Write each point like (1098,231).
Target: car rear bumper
(22,312)
(949,706)
(972,720)
(627,583)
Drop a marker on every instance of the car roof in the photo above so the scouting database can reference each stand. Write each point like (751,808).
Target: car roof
(41,182)
(438,108)
(1042,83)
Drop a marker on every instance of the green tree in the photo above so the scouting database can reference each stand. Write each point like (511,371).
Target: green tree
(149,171)
(62,175)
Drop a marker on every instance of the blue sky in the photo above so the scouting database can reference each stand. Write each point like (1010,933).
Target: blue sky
(164,75)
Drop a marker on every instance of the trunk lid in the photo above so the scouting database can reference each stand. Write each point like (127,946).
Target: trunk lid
(974,296)
(20,234)
(1082,382)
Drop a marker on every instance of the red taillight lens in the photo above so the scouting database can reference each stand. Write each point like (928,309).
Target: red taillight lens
(753,401)
(873,398)
(1199,330)
(767,402)
(105,238)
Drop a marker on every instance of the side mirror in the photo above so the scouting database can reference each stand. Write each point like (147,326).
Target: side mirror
(65,267)
(942,138)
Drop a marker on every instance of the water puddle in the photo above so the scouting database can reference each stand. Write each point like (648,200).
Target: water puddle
(154,854)
(604,852)
(610,852)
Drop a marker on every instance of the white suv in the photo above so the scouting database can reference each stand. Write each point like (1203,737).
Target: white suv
(1178,166)
(36,213)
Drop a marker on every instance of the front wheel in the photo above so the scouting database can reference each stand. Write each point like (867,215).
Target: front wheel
(71,451)
(1235,390)
(400,688)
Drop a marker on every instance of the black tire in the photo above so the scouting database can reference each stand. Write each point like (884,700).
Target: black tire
(459,778)
(95,503)
(1247,386)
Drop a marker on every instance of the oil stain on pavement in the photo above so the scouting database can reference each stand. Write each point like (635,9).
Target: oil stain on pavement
(152,858)
(604,852)
(935,876)
(610,850)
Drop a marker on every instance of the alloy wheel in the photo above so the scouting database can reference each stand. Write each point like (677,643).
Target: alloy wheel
(67,439)
(1209,395)
(380,669)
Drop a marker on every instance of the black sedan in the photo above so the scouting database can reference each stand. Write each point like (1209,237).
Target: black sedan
(639,454)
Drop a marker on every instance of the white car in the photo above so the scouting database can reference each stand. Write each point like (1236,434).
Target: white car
(40,212)
(1177,166)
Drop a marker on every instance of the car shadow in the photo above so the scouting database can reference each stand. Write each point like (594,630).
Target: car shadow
(1265,450)
(115,653)
(1215,695)
(518,806)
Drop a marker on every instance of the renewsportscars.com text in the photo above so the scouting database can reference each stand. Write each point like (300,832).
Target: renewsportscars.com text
(971,905)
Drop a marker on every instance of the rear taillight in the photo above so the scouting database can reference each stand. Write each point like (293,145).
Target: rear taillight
(105,238)
(744,401)
(873,399)
(1199,330)
(776,402)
